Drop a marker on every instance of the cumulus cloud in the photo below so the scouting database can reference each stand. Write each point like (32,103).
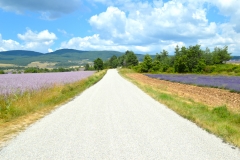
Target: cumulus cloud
(229,8)
(153,26)
(36,41)
(90,43)
(43,36)
(9,44)
(50,50)
(226,37)
(96,43)
(139,25)
(49,9)
(150,24)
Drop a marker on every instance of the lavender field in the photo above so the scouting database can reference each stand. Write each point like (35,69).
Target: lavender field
(19,83)
(226,82)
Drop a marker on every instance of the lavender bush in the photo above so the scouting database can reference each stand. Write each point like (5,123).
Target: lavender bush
(19,83)
(225,82)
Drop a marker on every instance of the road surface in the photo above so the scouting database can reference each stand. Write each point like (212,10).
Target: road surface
(116,120)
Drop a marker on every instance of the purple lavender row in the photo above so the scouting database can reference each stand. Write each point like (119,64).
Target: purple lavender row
(19,83)
(225,82)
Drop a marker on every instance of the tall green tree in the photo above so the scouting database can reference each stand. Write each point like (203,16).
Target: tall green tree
(98,64)
(113,62)
(87,67)
(221,55)
(208,56)
(189,59)
(147,63)
(195,57)
(130,59)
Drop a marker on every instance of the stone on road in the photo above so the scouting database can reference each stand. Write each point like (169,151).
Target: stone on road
(115,120)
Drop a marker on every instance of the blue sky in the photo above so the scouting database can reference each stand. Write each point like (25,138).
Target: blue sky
(138,25)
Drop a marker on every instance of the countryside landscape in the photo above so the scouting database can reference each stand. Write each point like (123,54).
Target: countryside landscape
(145,79)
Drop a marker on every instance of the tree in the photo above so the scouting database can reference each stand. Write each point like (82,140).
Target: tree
(164,61)
(113,62)
(1,72)
(208,56)
(194,56)
(98,64)
(221,55)
(180,64)
(87,67)
(189,59)
(147,63)
(162,56)
(177,51)
(130,59)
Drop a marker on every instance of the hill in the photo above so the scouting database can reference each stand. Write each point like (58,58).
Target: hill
(63,57)
(20,53)
(235,58)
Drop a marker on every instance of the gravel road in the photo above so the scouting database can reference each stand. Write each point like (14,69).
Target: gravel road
(116,120)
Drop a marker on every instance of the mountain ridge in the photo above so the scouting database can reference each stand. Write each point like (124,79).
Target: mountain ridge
(63,57)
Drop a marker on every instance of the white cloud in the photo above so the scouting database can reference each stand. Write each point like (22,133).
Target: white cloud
(9,44)
(90,43)
(43,36)
(149,24)
(50,50)
(228,37)
(111,23)
(146,25)
(139,25)
(96,43)
(230,8)
(36,41)
(49,9)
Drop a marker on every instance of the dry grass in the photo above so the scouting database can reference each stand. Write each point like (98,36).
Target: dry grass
(6,65)
(42,65)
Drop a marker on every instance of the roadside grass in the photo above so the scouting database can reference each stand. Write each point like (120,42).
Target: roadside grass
(218,120)
(19,111)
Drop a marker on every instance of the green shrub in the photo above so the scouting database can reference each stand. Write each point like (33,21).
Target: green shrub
(170,70)
(209,69)
(1,72)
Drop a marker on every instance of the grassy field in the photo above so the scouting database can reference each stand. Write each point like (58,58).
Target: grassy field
(17,112)
(42,65)
(6,65)
(218,120)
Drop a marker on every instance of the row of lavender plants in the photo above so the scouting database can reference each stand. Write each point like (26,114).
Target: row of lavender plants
(19,83)
(225,82)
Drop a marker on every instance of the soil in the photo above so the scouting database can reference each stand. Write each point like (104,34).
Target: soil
(212,97)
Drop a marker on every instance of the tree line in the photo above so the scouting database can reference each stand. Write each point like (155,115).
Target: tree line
(128,60)
(190,59)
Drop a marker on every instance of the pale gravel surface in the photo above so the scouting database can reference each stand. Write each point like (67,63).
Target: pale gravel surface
(116,120)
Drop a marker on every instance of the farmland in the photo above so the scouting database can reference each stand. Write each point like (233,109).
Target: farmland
(225,82)
(19,83)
